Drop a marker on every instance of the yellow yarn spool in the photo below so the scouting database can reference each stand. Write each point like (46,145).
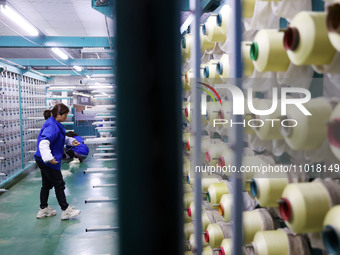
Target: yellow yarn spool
(306,39)
(214,111)
(333,132)
(214,235)
(210,71)
(270,129)
(252,223)
(331,231)
(215,192)
(186,166)
(206,182)
(248,66)
(205,221)
(192,243)
(207,251)
(188,198)
(333,25)
(187,219)
(216,26)
(223,67)
(186,112)
(188,253)
(188,230)
(187,188)
(186,45)
(205,43)
(304,205)
(311,131)
(268,53)
(248,8)
(224,208)
(214,152)
(188,76)
(271,243)
(268,190)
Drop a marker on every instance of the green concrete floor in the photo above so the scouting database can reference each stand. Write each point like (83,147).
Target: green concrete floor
(22,233)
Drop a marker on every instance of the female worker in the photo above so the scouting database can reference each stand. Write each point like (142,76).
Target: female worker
(50,148)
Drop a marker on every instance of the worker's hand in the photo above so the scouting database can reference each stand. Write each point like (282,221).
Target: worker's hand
(54,162)
(75,143)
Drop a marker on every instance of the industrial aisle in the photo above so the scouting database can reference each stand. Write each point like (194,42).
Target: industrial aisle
(22,233)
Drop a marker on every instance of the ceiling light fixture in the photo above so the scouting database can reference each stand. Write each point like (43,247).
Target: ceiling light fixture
(60,53)
(78,68)
(18,19)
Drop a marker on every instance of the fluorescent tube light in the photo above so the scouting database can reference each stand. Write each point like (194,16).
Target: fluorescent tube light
(60,53)
(78,68)
(100,87)
(19,20)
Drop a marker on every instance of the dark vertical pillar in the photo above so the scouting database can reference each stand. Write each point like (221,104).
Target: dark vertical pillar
(149,127)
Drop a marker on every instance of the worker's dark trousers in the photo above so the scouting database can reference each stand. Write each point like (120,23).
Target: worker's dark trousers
(51,178)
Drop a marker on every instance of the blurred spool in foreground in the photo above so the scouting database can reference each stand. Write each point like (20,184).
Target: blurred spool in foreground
(268,53)
(306,39)
(331,230)
(333,25)
(333,132)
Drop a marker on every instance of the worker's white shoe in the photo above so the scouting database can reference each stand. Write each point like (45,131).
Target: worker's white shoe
(69,213)
(46,212)
(75,161)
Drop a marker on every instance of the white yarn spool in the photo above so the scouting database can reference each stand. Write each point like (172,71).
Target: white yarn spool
(186,45)
(271,243)
(206,45)
(306,39)
(215,192)
(333,24)
(268,190)
(224,208)
(268,53)
(214,152)
(311,131)
(214,235)
(331,231)
(188,230)
(192,243)
(334,132)
(223,67)
(210,71)
(304,205)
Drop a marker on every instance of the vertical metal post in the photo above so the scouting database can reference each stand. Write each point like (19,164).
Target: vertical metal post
(21,125)
(195,6)
(149,125)
(237,131)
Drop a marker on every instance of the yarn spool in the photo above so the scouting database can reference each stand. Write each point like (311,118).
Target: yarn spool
(206,45)
(187,188)
(268,53)
(188,76)
(226,157)
(188,230)
(186,141)
(188,198)
(214,111)
(215,192)
(267,191)
(213,153)
(248,8)
(333,132)
(223,66)
(306,39)
(207,251)
(186,166)
(303,206)
(270,129)
(331,230)
(271,243)
(254,221)
(186,45)
(224,208)
(248,66)
(311,131)
(223,20)
(333,25)
(186,112)
(226,247)
(192,243)
(214,235)
(187,219)
(210,71)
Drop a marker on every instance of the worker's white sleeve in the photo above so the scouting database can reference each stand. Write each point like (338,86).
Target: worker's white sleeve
(45,151)
(69,140)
